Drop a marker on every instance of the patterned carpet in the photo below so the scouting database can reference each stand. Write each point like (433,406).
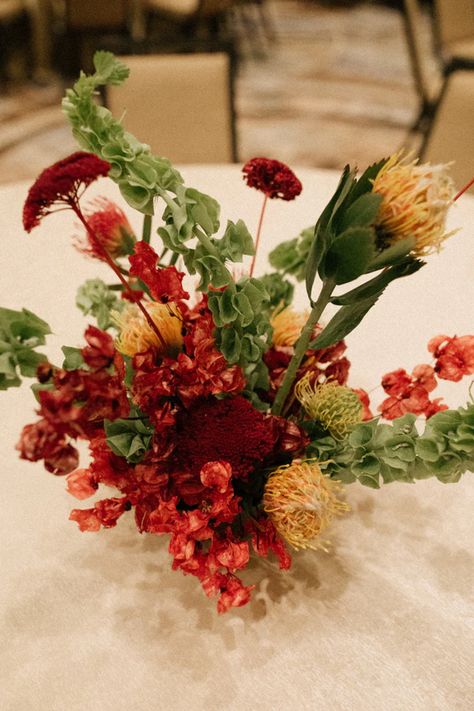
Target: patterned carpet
(333,87)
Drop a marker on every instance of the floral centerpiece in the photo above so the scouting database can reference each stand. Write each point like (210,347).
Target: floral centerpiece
(224,419)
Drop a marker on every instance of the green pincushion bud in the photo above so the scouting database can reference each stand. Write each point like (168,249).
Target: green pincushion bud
(335,406)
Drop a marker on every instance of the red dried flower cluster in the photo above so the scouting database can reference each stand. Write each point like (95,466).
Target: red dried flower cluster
(59,185)
(165,283)
(454,356)
(410,393)
(273,178)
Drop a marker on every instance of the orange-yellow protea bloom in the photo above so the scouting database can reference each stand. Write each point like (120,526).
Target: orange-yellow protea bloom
(335,406)
(301,502)
(415,201)
(287,326)
(136,335)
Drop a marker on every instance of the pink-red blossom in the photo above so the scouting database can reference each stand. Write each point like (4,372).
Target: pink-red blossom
(454,356)
(165,283)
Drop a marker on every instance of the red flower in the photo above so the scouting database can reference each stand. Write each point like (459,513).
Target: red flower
(42,440)
(216,475)
(264,539)
(410,393)
(100,351)
(59,185)
(105,513)
(165,284)
(81,484)
(454,356)
(235,594)
(229,430)
(271,177)
(111,228)
(365,402)
(396,382)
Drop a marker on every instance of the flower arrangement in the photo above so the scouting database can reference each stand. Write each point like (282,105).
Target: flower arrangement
(224,419)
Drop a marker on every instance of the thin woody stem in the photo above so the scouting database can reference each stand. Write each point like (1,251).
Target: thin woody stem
(101,249)
(301,347)
(259,231)
(463,190)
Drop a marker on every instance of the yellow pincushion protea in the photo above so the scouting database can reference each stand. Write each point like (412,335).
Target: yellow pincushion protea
(301,502)
(335,406)
(136,335)
(415,201)
(287,326)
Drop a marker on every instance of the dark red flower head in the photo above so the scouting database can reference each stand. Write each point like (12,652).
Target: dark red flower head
(273,178)
(60,183)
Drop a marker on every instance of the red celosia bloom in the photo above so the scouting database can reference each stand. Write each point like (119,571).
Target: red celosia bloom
(165,284)
(454,356)
(231,430)
(110,227)
(59,185)
(272,178)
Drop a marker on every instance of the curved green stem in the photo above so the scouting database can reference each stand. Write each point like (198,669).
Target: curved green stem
(301,346)
(146,229)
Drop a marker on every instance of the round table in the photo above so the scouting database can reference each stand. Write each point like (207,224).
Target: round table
(99,621)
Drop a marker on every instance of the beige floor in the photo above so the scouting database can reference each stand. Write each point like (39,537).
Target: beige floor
(334,87)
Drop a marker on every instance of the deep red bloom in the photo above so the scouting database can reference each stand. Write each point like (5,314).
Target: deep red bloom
(111,229)
(230,430)
(105,513)
(42,440)
(271,177)
(264,539)
(59,185)
(454,356)
(100,350)
(165,284)
(81,484)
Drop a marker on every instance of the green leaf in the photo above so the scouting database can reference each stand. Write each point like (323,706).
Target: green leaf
(392,254)
(323,234)
(345,320)
(129,438)
(72,358)
(376,286)
(349,254)
(364,183)
(236,242)
(362,212)
(20,333)
(109,70)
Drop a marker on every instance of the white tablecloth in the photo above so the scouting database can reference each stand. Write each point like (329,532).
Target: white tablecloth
(99,621)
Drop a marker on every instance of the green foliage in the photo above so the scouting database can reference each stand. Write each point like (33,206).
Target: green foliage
(279,290)
(130,438)
(290,257)
(72,358)
(96,298)
(376,453)
(20,333)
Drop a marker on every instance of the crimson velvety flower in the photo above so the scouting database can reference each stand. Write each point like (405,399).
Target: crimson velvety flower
(274,179)
(165,283)
(111,229)
(42,440)
(454,356)
(230,429)
(59,185)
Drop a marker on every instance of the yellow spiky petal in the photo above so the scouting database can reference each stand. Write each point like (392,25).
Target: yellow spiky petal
(335,406)
(287,326)
(136,336)
(415,201)
(301,502)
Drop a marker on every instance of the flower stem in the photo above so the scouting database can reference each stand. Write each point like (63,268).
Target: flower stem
(259,231)
(301,346)
(463,190)
(146,229)
(101,249)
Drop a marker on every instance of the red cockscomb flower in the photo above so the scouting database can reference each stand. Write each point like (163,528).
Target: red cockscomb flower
(110,227)
(165,283)
(59,185)
(274,179)
(229,430)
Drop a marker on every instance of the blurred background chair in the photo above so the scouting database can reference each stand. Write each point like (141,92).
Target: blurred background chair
(428,84)
(190,17)
(454,26)
(181,105)
(451,137)
(13,24)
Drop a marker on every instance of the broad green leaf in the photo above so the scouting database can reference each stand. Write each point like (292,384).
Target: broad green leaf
(345,320)
(349,254)
(392,254)
(362,212)
(130,438)
(72,358)
(377,285)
